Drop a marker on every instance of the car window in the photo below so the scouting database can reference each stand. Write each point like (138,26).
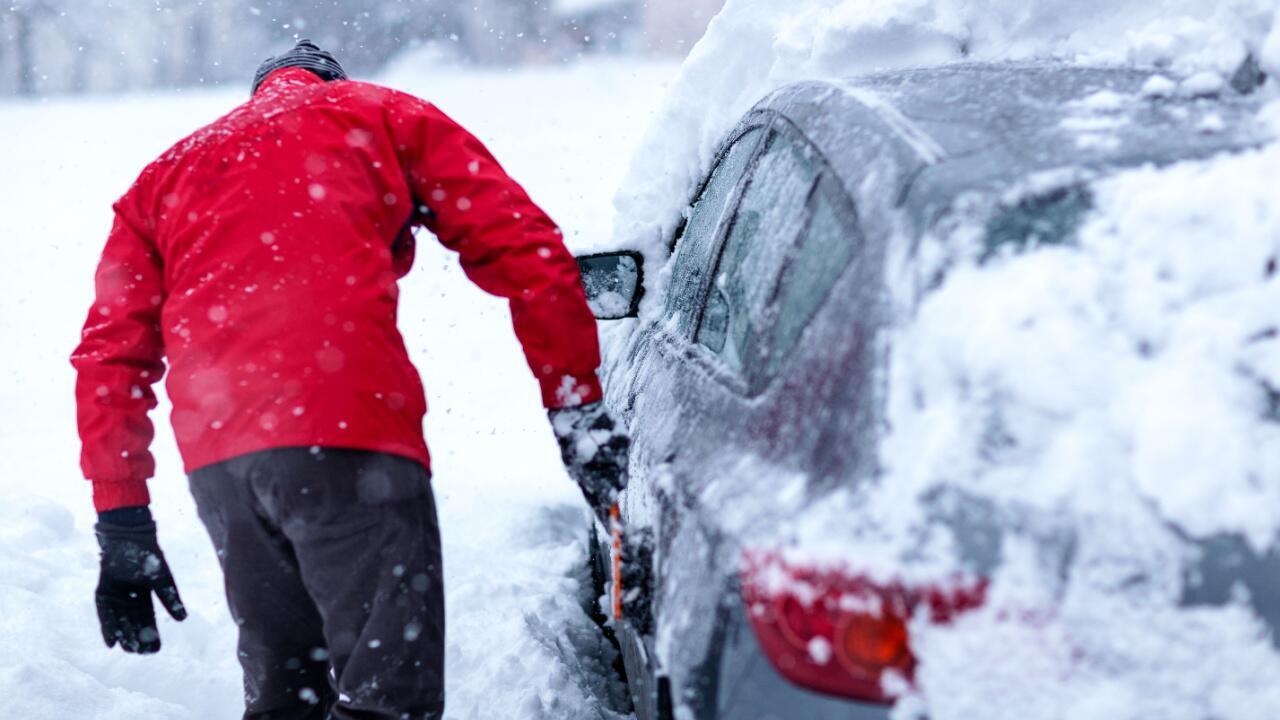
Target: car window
(824,250)
(767,222)
(693,250)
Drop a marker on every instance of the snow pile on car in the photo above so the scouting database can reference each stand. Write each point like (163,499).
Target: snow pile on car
(1123,392)
(755,46)
(1112,404)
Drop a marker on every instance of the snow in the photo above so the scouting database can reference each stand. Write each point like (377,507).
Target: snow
(1159,86)
(1115,398)
(756,46)
(514,527)
(580,7)
(1126,378)
(1203,84)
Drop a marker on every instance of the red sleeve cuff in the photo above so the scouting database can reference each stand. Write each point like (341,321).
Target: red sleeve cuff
(561,391)
(113,495)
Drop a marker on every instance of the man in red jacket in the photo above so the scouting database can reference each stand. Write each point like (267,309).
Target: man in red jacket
(260,256)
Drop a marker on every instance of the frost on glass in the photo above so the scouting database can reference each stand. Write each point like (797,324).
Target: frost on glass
(611,282)
(767,222)
(1049,219)
(822,255)
(694,247)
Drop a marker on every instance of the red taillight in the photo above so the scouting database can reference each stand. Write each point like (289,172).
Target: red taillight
(799,623)
(841,634)
(869,645)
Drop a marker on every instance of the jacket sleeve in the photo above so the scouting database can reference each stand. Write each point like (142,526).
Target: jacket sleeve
(120,356)
(507,244)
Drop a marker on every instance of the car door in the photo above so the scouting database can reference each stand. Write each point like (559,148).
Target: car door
(691,245)
(644,387)
(641,388)
(716,342)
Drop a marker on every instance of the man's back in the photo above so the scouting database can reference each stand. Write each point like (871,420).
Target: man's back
(280,323)
(268,245)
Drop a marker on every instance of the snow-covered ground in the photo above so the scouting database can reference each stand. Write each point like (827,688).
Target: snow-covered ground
(519,644)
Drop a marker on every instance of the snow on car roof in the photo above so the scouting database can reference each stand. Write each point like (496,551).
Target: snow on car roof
(756,46)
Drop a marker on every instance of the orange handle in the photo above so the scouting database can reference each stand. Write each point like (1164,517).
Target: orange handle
(615,526)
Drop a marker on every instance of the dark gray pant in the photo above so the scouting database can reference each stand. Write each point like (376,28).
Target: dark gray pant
(332,567)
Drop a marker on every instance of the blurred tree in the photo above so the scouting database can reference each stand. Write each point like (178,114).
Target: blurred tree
(364,34)
(25,14)
(6,31)
(199,59)
(599,26)
(82,65)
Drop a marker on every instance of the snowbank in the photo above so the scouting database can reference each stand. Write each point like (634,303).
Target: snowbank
(1120,395)
(1123,391)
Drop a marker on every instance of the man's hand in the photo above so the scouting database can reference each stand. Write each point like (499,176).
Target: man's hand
(132,568)
(595,453)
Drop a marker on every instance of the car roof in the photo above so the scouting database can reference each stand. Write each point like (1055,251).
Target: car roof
(988,126)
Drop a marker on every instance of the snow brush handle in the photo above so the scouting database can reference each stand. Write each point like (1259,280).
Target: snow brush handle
(615,528)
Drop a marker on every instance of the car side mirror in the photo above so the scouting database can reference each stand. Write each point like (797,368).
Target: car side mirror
(614,282)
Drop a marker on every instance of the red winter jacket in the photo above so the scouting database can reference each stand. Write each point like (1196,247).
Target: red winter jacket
(260,256)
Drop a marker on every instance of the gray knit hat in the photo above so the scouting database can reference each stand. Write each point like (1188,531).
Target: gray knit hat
(306,55)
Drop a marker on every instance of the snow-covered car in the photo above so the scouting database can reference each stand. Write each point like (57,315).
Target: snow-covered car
(757,388)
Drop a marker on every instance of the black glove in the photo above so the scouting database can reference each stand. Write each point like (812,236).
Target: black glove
(132,568)
(595,453)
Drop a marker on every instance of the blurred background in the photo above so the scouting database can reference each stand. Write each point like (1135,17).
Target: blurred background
(79,46)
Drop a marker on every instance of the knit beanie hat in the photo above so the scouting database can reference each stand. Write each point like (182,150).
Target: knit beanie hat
(306,55)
